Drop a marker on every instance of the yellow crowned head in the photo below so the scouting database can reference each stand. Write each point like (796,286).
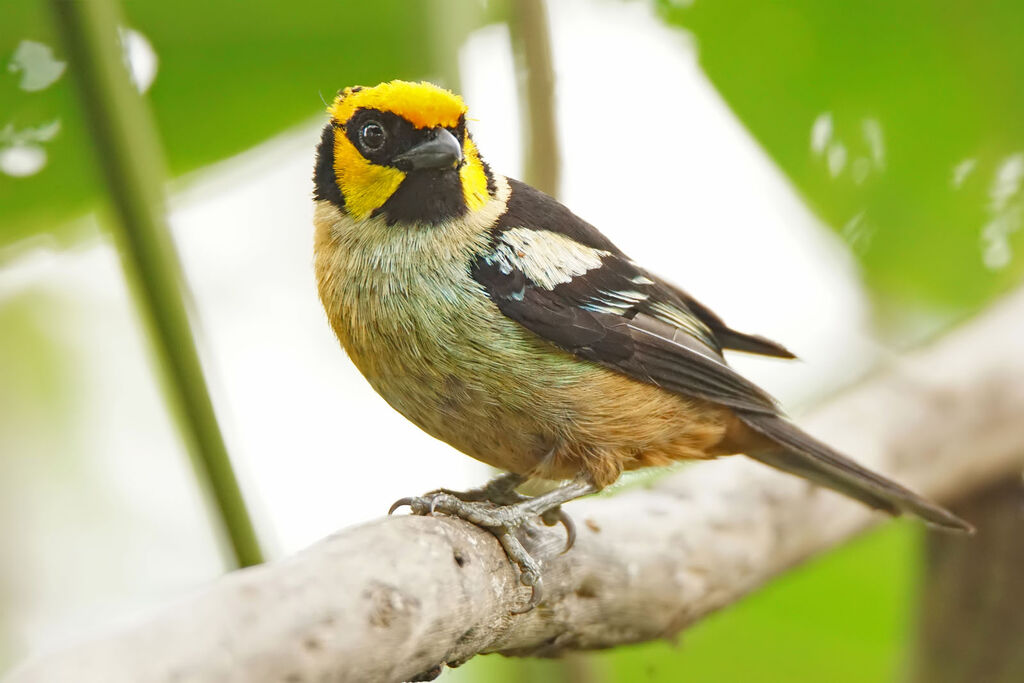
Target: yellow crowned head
(400,150)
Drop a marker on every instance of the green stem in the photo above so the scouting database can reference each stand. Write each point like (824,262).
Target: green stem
(531,43)
(129,155)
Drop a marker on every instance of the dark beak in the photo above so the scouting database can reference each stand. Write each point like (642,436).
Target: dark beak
(439,151)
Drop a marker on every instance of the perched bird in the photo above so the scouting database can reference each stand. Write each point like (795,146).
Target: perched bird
(498,321)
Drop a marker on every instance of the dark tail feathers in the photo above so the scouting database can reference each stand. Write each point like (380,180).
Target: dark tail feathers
(803,455)
(751,343)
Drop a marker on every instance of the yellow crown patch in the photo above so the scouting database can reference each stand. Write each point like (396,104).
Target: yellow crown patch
(423,104)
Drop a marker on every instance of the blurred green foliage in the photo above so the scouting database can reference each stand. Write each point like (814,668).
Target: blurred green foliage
(844,618)
(33,366)
(230,76)
(36,396)
(925,110)
(919,100)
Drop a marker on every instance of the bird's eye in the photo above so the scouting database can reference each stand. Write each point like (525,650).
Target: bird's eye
(372,136)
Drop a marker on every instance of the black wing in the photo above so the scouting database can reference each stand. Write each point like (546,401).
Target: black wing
(599,306)
(566,283)
(532,208)
(728,337)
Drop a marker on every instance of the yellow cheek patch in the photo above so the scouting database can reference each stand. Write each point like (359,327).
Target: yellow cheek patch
(424,105)
(364,186)
(474,180)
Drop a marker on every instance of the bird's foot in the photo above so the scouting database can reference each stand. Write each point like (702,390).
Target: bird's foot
(501,491)
(499,509)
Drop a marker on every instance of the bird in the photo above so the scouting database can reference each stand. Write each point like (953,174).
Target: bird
(498,321)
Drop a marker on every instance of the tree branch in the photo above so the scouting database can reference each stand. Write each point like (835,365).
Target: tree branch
(388,599)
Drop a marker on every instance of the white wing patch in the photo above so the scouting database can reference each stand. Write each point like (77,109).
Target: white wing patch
(673,316)
(615,302)
(642,280)
(547,258)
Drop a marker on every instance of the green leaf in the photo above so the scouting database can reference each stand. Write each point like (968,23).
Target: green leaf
(230,75)
(898,121)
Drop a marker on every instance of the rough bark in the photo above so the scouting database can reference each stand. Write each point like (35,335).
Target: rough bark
(972,615)
(395,597)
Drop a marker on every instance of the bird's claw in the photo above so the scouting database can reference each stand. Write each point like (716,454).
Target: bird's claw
(502,520)
(479,512)
(559,516)
(529,570)
(399,503)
